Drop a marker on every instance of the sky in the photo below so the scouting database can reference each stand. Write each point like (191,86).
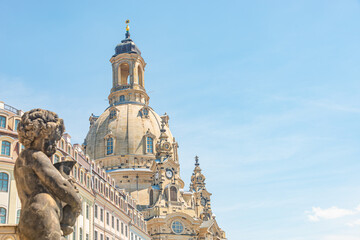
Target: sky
(266,93)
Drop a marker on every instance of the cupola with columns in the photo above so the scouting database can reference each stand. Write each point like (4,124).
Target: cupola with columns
(128,73)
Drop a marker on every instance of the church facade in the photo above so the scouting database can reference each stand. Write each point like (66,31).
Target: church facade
(136,148)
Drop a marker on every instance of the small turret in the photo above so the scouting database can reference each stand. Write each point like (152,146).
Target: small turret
(197,178)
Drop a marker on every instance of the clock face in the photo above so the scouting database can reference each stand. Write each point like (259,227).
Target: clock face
(167,146)
(157,175)
(169,173)
(203,201)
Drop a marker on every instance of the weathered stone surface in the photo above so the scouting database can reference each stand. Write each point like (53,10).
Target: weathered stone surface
(50,204)
(8,232)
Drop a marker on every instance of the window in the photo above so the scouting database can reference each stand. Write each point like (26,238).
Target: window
(16,124)
(81,234)
(112,114)
(102,214)
(62,145)
(149,145)
(96,211)
(2,121)
(117,224)
(5,148)
(122,98)
(2,215)
(56,158)
(132,236)
(4,182)
(87,236)
(18,212)
(109,146)
(74,233)
(122,228)
(126,232)
(151,197)
(101,236)
(76,155)
(177,227)
(69,150)
(146,112)
(87,211)
(96,235)
(75,172)
(140,76)
(88,181)
(124,74)
(81,177)
(107,219)
(112,222)
(173,194)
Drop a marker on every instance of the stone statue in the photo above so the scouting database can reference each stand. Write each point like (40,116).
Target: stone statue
(49,202)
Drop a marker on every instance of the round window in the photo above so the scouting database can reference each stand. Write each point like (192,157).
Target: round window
(177,227)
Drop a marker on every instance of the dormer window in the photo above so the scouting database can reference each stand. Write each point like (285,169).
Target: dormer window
(109,146)
(16,124)
(112,114)
(144,112)
(149,145)
(2,121)
(122,98)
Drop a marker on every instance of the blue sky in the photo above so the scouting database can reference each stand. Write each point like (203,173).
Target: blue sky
(265,92)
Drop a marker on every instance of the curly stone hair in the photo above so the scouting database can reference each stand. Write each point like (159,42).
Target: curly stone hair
(39,123)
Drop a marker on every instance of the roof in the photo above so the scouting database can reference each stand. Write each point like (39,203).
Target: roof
(129,169)
(126,46)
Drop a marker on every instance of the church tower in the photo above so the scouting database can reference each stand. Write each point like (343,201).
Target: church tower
(136,147)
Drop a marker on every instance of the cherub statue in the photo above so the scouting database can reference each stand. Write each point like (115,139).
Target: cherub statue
(49,202)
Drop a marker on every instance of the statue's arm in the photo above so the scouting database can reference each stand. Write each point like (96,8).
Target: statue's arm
(54,181)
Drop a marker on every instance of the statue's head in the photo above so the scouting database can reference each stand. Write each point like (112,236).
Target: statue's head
(40,130)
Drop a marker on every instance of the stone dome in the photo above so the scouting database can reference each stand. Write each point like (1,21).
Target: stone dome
(129,124)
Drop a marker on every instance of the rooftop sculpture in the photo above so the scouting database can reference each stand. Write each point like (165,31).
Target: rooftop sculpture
(49,201)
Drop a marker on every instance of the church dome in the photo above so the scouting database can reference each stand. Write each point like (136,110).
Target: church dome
(134,129)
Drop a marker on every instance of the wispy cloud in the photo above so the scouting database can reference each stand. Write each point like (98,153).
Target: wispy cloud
(330,213)
(341,237)
(354,223)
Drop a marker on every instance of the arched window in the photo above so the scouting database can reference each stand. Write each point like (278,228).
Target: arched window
(173,194)
(5,148)
(145,112)
(56,158)
(75,172)
(140,77)
(16,124)
(149,145)
(109,146)
(4,182)
(124,74)
(18,212)
(122,98)
(112,114)
(151,197)
(2,121)
(2,215)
